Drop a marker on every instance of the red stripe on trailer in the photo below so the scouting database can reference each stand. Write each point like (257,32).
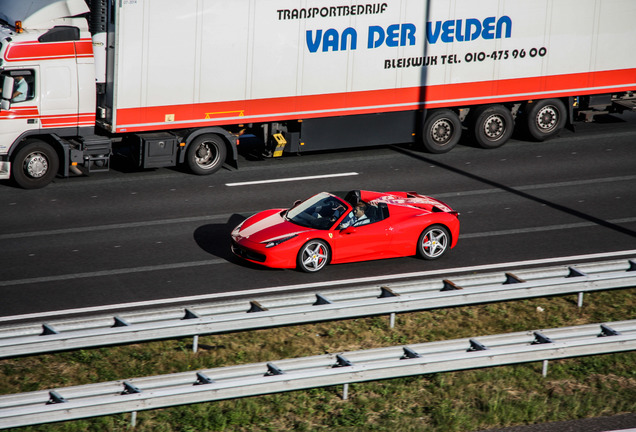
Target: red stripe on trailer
(314,106)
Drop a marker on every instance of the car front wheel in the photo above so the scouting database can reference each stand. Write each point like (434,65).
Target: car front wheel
(313,256)
(433,242)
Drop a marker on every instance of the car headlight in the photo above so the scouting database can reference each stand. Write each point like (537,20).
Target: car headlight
(279,241)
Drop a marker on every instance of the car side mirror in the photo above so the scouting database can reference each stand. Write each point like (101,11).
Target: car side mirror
(348,230)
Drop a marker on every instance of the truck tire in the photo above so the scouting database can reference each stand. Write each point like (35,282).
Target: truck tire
(545,118)
(491,125)
(441,132)
(206,154)
(35,165)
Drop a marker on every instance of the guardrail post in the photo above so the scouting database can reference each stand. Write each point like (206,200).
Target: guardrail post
(345,391)
(195,343)
(133,419)
(580,302)
(392,320)
(544,372)
(48,329)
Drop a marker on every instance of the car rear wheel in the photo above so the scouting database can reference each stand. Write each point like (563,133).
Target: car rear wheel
(313,256)
(433,242)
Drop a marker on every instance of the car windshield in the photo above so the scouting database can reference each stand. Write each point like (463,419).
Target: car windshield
(318,212)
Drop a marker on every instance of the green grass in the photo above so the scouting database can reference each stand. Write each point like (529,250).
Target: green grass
(457,401)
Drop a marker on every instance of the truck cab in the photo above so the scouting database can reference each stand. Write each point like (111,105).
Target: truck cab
(47,73)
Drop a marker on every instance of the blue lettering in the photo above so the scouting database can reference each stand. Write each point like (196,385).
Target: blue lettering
(330,40)
(393,35)
(408,33)
(459,37)
(312,43)
(489,28)
(433,35)
(500,23)
(351,35)
(473,29)
(376,37)
(448,28)
(469,29)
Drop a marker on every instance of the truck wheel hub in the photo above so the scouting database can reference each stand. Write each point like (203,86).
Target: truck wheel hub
(442,131)
(547,118)
(494,127)
(36,165)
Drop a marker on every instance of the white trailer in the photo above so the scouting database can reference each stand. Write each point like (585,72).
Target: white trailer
(179,82)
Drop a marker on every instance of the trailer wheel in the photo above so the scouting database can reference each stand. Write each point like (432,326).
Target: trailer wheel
(442,130)
(35,165)
(206,154)
(545,118)
(491,126)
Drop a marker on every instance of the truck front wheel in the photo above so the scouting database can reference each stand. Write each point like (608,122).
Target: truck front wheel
(206,154)
(545,118)
(35,165)
(442,130)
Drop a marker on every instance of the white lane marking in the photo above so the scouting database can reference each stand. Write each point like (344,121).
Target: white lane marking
(324,284)
(127,225)
(289,179)
(544,228)
(227,216)
(534,187)
(113,272)
(141,269)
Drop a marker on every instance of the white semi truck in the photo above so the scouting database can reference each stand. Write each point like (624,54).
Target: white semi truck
(179,81)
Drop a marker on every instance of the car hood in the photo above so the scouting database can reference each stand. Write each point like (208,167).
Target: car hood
(266,226)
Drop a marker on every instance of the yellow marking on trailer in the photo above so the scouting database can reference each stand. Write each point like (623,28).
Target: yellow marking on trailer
(240,113)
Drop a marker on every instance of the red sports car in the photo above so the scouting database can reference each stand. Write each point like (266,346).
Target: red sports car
(340,228)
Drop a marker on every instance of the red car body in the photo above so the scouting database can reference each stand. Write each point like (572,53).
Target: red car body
(312,233)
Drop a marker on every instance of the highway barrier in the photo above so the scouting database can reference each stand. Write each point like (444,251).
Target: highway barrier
(306,307)
(136,394)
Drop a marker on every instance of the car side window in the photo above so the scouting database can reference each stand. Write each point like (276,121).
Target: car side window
(377,213)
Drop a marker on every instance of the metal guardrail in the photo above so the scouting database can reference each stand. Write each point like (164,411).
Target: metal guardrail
(328,304)
(310,372)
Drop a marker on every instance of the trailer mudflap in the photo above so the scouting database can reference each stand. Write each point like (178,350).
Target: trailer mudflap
(281,142)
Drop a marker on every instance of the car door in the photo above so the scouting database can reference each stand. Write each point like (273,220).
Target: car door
(364,242)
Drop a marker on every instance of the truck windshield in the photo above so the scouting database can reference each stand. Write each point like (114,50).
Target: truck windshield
(318,212)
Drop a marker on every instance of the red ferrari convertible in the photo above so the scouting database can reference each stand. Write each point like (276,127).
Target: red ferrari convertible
(340,228)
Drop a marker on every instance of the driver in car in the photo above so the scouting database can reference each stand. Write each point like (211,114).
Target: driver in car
(356,217)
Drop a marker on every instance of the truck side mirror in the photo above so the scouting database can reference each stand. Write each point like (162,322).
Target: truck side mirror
(7,93)
(7,87)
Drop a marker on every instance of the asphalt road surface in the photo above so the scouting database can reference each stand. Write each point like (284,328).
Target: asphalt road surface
(129,236)
(137,236)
